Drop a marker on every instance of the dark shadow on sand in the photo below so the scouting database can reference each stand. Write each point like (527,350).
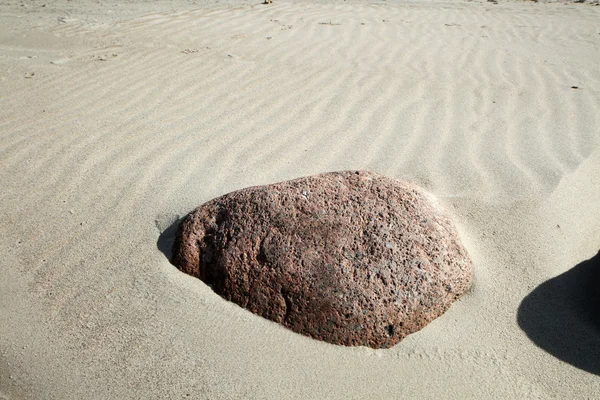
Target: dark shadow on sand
(562,316)
(166,239)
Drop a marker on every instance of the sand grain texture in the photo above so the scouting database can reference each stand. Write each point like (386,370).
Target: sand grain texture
(118,118)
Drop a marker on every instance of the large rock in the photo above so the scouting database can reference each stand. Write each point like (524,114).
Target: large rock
(351,258)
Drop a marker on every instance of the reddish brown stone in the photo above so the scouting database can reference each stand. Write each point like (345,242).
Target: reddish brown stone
(351,258)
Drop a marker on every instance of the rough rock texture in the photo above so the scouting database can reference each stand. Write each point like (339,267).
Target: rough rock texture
(351,258)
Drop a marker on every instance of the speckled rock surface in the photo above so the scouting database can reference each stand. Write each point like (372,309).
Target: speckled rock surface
(351,258)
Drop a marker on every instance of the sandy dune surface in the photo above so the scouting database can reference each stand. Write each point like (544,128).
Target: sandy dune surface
(118,118)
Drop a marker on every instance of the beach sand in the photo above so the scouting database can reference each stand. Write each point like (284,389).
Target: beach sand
(118,118)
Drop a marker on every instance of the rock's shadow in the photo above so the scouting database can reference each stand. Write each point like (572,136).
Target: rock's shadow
(562,316)
(166,239)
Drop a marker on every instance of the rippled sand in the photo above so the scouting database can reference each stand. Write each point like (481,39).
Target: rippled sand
(116,119)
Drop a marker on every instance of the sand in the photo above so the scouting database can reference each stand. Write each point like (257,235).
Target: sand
(118,118)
